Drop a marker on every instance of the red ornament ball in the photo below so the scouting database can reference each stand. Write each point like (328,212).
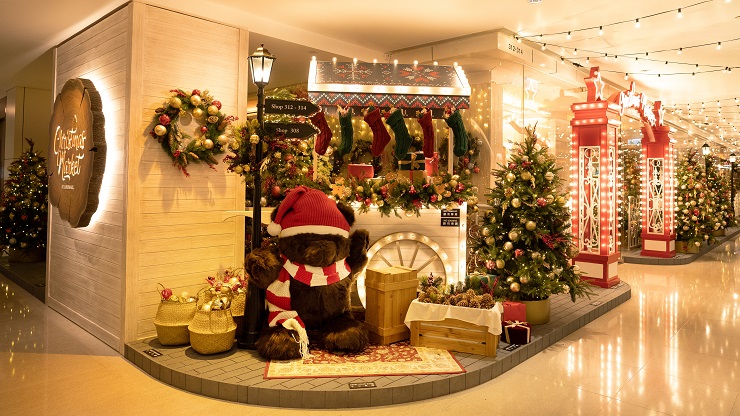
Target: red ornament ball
(368,201)
(217,104)
(476,169)
(275,191)
(195,92)
(164,120)
(512,165)
(288,157)
(166,293)
(203,129)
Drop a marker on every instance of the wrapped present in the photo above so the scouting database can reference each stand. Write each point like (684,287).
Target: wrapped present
(360,171)
(514,311)
(516,332)
(412,161)
(431,165)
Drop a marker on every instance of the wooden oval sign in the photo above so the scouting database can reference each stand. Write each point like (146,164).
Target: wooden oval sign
(76,152)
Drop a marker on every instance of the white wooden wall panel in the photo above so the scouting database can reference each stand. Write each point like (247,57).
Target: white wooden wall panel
(85,268)
(177,238)
(153,225)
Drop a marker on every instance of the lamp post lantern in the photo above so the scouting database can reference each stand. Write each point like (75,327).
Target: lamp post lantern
(733,159)
(705,152)
(260,64)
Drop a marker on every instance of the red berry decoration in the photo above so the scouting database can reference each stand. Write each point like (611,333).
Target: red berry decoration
(476,169)
(164,120)
(518,252)
(275,191)
(203,129)
(217,104)
(196,92)
(512,166)
(166,293)
(541,202)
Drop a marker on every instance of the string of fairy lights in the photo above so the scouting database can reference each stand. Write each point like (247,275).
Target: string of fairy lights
(720,119)
(587,54)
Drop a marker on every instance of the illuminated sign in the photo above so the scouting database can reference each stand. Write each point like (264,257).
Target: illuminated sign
(77,152)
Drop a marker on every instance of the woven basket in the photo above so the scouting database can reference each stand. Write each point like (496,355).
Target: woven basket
(172,322)
(212,332)
(237,304)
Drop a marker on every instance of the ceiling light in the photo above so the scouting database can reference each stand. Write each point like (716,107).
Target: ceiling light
(601,30)
(680,50)
(637,23)
(680,14)
(568,35)
(719,45)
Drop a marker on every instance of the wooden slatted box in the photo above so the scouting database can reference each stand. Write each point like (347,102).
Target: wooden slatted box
(389,292)
(456,335)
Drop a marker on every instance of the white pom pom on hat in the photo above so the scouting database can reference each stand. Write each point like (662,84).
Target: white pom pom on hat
(305,210)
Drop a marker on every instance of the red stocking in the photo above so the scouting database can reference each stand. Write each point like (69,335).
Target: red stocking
(381,138)
(428,130)
(324,136)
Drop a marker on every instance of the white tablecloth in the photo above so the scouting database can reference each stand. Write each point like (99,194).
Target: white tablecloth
(434,312)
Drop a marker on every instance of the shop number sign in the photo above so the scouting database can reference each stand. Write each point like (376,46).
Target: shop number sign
(76,152)
(450,218)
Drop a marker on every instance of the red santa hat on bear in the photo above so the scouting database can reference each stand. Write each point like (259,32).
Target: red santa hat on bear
(306,210)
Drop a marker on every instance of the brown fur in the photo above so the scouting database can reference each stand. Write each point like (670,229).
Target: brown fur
(325,310)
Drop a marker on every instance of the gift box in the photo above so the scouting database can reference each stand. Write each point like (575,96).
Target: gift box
(412,161)
(431,165)
(514,311)
(360,171)
(516,332)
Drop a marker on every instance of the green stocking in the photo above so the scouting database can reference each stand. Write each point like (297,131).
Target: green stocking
(403,139)
(460,144)
(345,124)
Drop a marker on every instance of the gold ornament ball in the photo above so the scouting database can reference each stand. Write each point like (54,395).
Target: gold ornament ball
(195,100)
(225,289)
(516,203)
(238,170)
(467,171)
(530,225)
(490,241)
(526,176)
(514,287)
(524,279)
(549,176)
(549,199)
(359,189)
(510,177)
(513,235)
(212,110)
(235,146)
(175,102)
(508,246)
(263,201)
(197,112)
(184,295)
(160,130)
(206,307)
(408,213)
(500,264)
(254,139)
(453,183)
(485,232)
(208,143)
(222,139)
(510,279)
(302,146)
(304,170)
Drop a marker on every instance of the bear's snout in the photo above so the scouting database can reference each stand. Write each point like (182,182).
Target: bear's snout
(320,253)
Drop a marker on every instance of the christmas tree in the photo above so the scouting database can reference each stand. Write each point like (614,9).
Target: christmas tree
(24,210)
(631,190)
(719,209)
(692,197)
(524,238)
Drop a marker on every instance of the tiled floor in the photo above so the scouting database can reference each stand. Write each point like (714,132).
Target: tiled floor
(672,349)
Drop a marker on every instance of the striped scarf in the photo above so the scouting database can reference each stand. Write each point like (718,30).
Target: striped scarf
(278,294)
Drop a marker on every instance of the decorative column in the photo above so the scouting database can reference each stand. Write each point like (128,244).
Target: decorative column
(594,184)
(658,217)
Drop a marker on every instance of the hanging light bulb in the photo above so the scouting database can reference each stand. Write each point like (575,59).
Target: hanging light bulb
(575,51)
(562,59)
(588,59)
(666,64)
(568,37)
(637,23)
(601,30)
(680,14)
(719,45)
(626,75)
(539,37)
(680,51)
(615,57)
(544,46)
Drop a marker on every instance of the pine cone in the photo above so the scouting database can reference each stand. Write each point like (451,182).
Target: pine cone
(463,303)
(423,297)
(486,297)
(453,299)
(474,303)
(446,302)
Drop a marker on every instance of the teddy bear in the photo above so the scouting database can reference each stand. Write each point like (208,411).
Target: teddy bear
(308,276)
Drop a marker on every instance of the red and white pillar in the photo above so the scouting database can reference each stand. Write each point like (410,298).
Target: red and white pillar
(658,216)
(594,190)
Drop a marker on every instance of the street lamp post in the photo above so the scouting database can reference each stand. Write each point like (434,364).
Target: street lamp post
(705,152)
(733,158)
(260,63)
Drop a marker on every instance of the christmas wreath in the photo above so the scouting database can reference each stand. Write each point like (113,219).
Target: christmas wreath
(210,138)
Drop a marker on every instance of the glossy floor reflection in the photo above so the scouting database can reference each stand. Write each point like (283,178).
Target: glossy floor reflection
(674,348)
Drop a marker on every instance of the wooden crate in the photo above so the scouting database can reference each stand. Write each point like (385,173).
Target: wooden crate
(456,335)
(389,292)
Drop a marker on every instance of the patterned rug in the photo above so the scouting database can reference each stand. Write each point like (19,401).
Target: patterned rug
(377,360)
